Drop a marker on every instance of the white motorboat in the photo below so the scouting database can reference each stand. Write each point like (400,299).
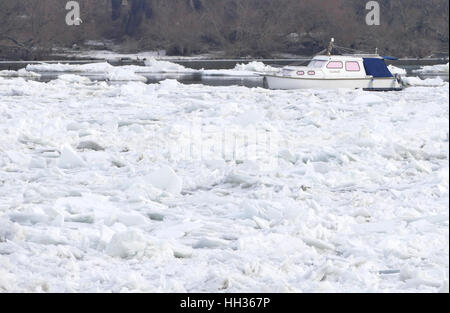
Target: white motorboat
(368,72)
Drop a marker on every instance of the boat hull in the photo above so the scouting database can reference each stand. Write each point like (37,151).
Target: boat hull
(373,84)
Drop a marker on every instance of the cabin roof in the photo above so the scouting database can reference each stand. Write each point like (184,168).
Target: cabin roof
(337,58)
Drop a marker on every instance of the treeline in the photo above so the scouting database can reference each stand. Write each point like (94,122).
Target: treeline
(237,27)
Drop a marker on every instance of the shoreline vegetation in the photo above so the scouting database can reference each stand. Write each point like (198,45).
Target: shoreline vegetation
(239,28)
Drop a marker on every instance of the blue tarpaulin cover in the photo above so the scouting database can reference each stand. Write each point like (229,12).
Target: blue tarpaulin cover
(376,67)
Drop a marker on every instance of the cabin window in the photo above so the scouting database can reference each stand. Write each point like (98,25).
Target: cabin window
(352,66)
(335,65)
(317,63)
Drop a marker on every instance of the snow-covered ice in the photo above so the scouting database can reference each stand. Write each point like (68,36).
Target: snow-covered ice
(249,69)
(416,81)
(433,69)
(396,70)
(134,72)
(20,73)
(97,192)
(114,73)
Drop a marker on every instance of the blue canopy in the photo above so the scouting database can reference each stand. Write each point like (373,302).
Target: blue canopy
(376,67)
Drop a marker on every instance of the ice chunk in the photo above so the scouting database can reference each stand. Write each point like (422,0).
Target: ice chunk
(29,218)
(37,162)
(249,118)
(90,145)
(155,66)
(396,70)
(20,73)
(93,67)
(210,243)
(430,82)
(287,156)
(71,78)
(256,67)
(151,66)
(122,74)
(182,252)
(7,281)
(18,158)
(368,99)
(321,167)
(47,237)
(138,129)
(439,68)
(8,74)
(379,227)
(9,230)
(132,219)
(169,84)
(81,218)
(166,179)
(74,126)
(250,69)
(126,244)
(70,159)
(237,178)
(320,244)
(261,223)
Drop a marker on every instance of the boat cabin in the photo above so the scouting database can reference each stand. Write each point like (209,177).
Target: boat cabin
(341,67)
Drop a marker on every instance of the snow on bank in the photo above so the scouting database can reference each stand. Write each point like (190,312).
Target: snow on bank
(115,56)
(96,193)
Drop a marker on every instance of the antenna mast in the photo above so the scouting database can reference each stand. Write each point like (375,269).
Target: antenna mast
(330,47)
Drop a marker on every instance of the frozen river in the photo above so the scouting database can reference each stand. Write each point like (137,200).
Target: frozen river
(205,72)
(171,187)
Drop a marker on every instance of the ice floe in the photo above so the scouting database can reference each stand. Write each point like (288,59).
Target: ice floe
(397,70)
(250,69)
(70,159)
(433,69)
(416,81)
(20,73)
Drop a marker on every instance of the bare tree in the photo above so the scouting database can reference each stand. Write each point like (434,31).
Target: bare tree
(239,27)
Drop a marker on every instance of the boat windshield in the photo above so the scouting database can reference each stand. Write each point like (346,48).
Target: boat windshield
(317,63)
